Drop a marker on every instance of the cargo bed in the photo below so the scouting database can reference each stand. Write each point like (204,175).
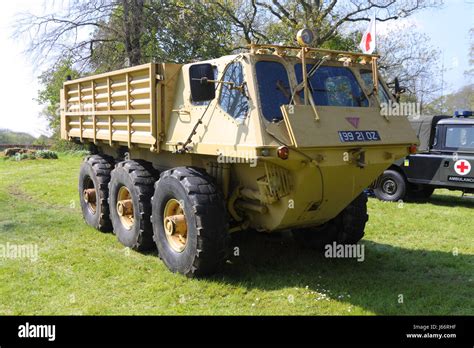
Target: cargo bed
(125,107)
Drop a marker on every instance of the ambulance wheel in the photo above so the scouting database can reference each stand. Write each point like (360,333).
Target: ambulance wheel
(391,186)
(421,192)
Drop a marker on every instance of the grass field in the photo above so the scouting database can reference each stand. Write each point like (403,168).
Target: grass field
(421,253)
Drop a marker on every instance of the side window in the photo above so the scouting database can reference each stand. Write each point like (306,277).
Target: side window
(231,99)
(273,88)
(204,103)
(460,137)
(367,77)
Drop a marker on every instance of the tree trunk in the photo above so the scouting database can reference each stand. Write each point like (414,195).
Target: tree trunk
(133,29)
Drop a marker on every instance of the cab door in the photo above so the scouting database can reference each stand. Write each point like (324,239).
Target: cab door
(457,142)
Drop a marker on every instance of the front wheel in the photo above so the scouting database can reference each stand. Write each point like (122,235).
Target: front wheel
(346,228)
(190,225)
(391,186)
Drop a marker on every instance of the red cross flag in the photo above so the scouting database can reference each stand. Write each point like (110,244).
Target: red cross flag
(367,45)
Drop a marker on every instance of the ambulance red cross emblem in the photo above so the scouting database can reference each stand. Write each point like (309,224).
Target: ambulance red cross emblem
(462,167)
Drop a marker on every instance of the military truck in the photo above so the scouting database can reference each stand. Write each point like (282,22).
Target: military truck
(444,160)
(275,138)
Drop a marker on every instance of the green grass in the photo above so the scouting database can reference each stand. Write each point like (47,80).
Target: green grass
(423,251)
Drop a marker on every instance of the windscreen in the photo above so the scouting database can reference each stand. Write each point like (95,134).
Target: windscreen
(334,86)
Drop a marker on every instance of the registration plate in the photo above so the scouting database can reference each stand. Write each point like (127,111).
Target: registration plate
(355,136)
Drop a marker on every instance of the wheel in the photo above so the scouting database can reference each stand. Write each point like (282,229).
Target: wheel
(131,189)
(420,192)
(350,223)
(190,224)
(391,186)
(426,192)
(94,177)
(346,228)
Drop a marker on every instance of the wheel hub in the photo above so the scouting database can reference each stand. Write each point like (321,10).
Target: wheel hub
(390,187)
(89,195)
(174,223)
(125,207)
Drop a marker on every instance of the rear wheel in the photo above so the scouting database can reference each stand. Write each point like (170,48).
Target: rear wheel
(131,189)
(391,186)
(94,177)
(190,223)
(421,192)
(346,228)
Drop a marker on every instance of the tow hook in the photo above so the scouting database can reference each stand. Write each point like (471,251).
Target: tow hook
(356,156)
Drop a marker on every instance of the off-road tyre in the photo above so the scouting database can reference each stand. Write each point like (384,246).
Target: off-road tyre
(391,186)
(207,239)
(95,173)
(346,228)
(138,178)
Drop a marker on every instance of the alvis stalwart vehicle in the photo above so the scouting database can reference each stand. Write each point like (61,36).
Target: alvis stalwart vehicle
(276,138)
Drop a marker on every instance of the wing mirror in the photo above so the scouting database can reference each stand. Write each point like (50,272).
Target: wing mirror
(399,90)
(201,79)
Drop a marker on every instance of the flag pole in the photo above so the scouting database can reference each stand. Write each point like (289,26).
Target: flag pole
(374,59)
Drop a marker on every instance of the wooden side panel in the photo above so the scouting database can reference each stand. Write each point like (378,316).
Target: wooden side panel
(117,107)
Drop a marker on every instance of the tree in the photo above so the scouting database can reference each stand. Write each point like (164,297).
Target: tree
(470,72)
(408,55)
(65,32)
(15,138)
(109,34)
(52,81)
(327,18)
(447,105)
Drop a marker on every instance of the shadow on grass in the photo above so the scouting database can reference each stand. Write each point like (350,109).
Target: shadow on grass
(451,201)
(442,200)
(431,282)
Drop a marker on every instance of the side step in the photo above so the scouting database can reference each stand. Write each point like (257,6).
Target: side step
(467,195)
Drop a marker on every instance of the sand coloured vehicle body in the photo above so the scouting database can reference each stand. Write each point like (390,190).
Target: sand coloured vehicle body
(276,138)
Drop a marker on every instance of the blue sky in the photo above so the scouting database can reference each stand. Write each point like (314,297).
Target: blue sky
(448,29)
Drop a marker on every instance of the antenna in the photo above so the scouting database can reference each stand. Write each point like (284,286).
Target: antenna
(442,76)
